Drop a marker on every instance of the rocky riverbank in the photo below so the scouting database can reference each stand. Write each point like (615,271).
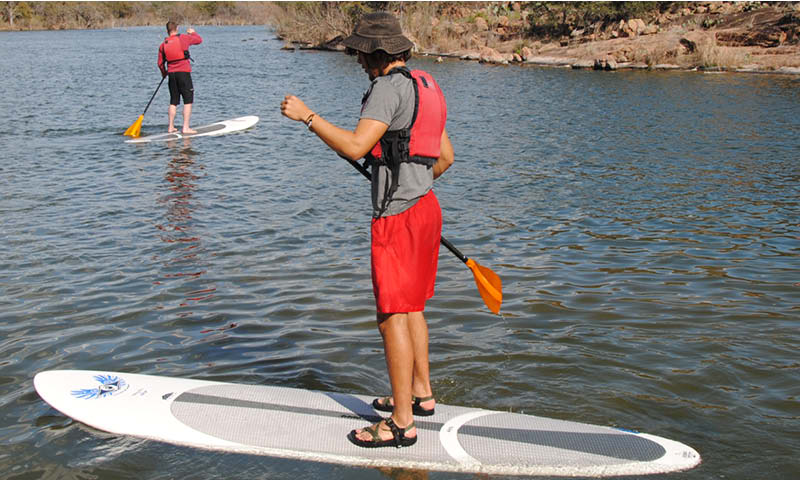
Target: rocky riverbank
(716,36)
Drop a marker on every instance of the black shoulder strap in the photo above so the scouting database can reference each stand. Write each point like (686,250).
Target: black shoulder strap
(401,70)
(367,93)
(395,144)
(407,73)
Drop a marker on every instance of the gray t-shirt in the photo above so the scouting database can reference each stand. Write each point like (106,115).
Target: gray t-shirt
(391,101)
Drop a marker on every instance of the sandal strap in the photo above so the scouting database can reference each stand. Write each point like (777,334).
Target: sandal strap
(374,431)
(398,433)
(418,400)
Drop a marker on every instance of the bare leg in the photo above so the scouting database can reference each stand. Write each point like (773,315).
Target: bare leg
(173,109)
(187,115)
(399,352)
(421,382)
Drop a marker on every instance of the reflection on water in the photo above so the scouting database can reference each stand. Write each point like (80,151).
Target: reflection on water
(186,256)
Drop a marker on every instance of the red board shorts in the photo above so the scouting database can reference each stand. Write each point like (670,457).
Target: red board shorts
(405,256)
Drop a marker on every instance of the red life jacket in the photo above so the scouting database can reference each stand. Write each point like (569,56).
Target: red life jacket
(173,50)
(421,141)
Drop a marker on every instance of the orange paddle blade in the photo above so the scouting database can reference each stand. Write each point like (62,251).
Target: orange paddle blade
(136,129)
(489,285)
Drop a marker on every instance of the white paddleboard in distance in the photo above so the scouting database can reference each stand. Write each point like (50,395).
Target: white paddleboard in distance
(219,128)
(313,425)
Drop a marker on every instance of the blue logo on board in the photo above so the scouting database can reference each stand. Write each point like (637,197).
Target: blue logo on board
(107,386)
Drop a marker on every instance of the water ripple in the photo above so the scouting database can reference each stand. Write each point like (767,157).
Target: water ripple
(645,229)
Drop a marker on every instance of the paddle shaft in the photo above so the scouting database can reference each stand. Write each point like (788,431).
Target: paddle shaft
(154,94)
(444,241)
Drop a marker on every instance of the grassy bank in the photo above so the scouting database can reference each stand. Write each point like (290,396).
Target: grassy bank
(91,15)
(449,26)
(723,35)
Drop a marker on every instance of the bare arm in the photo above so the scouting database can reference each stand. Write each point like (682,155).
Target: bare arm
(353,145)
(446,156)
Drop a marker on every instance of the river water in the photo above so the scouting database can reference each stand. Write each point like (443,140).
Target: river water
(645,226)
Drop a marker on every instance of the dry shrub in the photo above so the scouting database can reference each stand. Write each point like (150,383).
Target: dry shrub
(63,15)
(778,57)
(653,55)
(446,38)
(711,55)
(442,34)
(315,22)
(417,21)
(257,13)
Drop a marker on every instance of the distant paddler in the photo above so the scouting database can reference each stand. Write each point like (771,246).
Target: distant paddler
(174,60)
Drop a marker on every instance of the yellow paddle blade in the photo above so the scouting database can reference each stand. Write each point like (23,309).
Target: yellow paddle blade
(489,285)
(136,129)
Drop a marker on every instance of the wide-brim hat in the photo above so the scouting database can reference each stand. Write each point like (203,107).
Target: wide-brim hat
(378,31)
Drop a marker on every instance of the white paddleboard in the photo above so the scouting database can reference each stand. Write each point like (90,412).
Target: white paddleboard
(219,128)
(313,425)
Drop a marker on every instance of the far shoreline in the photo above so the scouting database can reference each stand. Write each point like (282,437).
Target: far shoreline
(708,37)
(734,37)
(586,64)
(568,62)
(535,61)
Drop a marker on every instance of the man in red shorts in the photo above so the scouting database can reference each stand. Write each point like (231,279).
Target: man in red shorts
(174,60)
(408,147)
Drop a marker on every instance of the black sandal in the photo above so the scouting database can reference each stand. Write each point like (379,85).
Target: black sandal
(383,405)
(399,436)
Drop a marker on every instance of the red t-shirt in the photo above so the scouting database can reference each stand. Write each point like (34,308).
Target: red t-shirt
(186,39)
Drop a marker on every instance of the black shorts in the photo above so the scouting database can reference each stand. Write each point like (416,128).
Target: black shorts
(180,85)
